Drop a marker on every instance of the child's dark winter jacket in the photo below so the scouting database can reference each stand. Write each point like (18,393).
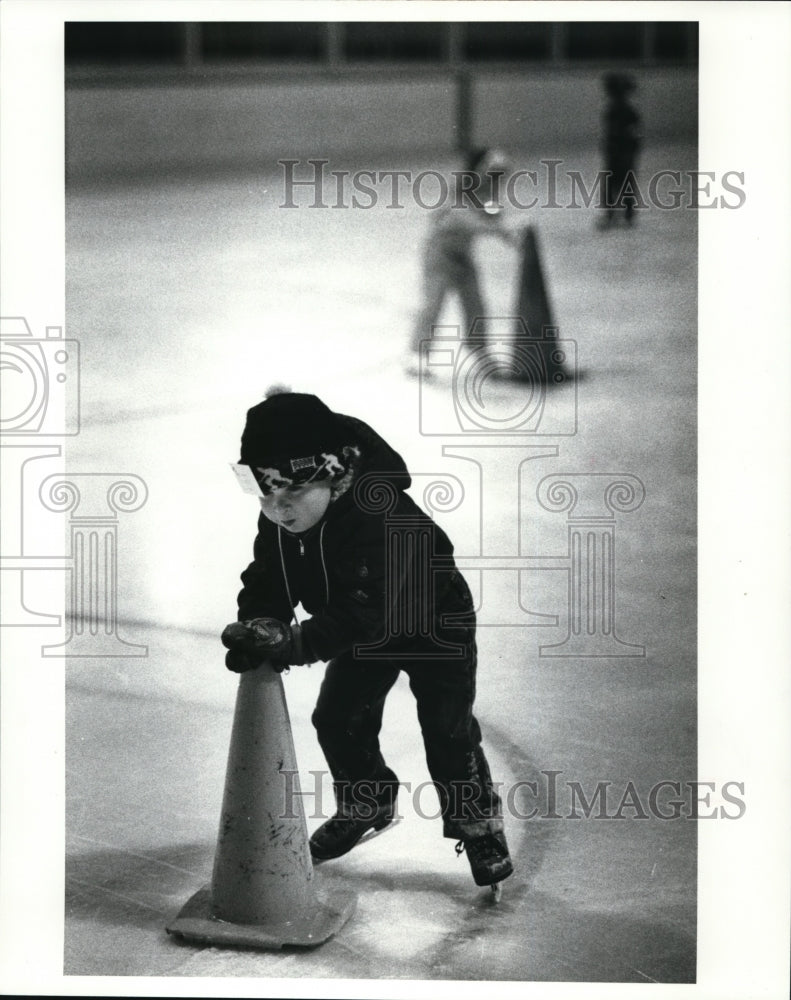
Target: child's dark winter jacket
(359,590)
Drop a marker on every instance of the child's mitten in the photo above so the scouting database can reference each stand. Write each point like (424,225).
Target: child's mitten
(261,639)
(239,661)
(271,639)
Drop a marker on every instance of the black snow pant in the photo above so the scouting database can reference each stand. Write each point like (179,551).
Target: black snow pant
(348,719)
(620,170)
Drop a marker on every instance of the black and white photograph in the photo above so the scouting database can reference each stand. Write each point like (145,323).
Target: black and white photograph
(395,478)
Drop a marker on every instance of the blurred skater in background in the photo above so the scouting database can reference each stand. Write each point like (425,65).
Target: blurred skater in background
(621,141)
(447,262)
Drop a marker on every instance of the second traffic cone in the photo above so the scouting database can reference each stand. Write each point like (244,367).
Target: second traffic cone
(532,299)
(533,306)
(263,892)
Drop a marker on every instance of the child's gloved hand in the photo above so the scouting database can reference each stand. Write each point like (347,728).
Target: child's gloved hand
(251,642)
(271,638)
(239,662)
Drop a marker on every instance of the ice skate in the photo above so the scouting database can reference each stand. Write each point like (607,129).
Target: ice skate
(489,859)
(346,829)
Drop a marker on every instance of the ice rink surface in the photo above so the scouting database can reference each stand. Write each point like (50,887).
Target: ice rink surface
(189,296)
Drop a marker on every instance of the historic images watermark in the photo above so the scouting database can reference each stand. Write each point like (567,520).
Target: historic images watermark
(550,795)
(313,183)
(41,403)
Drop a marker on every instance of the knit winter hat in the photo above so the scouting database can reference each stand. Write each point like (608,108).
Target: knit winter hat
(292,438)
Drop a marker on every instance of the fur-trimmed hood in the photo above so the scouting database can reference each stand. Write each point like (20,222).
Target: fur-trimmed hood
(367,453)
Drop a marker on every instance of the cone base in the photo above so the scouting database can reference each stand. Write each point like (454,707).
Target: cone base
(196,923)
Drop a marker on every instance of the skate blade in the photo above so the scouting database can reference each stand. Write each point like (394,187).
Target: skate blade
(372,833)
(368,835)
(495,892)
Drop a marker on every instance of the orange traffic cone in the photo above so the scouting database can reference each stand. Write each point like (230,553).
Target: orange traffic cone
(262,893)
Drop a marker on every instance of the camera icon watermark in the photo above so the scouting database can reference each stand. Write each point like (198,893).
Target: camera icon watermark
(40,399)
(504,381)
(40,381)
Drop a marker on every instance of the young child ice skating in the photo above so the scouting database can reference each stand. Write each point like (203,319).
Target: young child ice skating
(448,265)
(620,145)
(332,496)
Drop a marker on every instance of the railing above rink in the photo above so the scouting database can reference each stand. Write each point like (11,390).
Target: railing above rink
(133,52)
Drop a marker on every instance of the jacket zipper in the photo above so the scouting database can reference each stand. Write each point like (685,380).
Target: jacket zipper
(285,574)
(302,553)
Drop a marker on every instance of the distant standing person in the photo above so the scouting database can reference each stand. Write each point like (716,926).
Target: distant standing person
(447,262)
(621,144)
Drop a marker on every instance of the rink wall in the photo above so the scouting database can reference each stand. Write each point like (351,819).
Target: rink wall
(141,127)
